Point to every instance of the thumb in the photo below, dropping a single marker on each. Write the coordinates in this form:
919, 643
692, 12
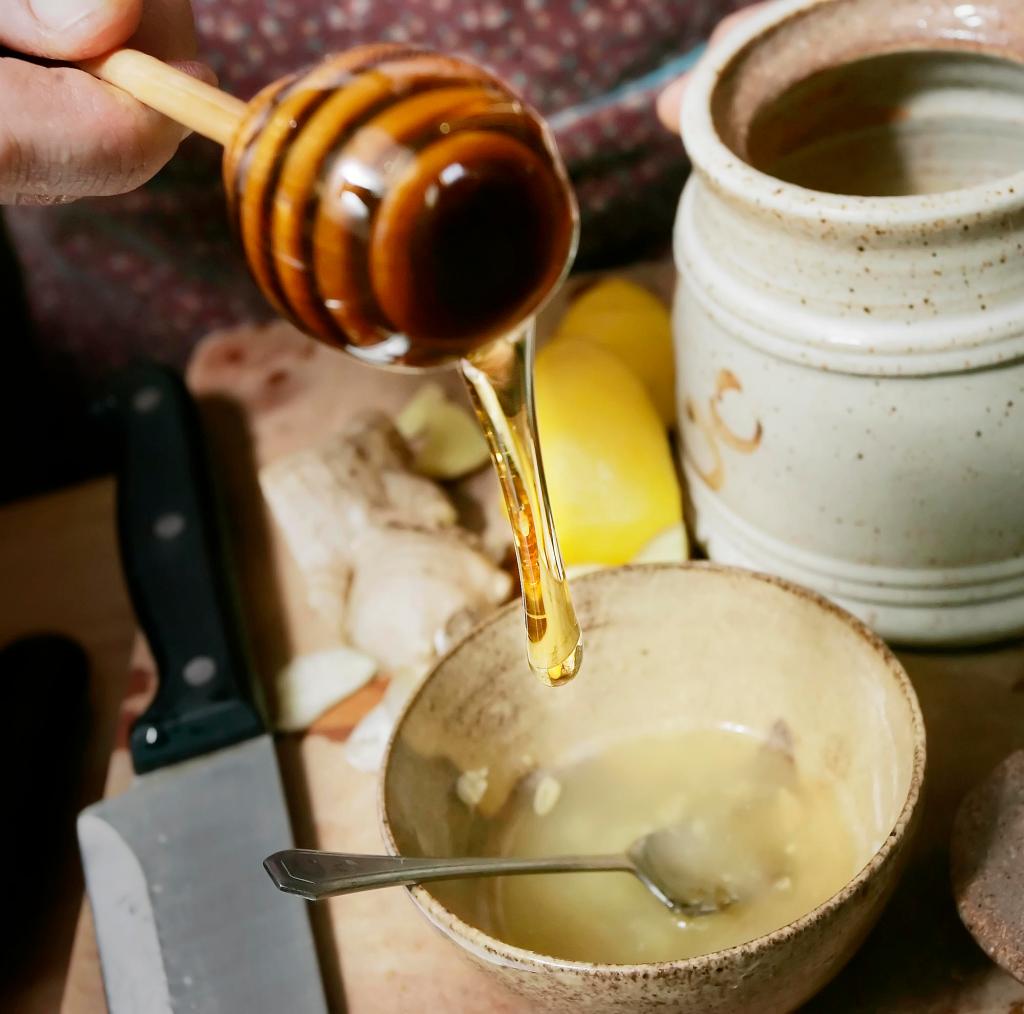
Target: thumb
67, 29
670, 103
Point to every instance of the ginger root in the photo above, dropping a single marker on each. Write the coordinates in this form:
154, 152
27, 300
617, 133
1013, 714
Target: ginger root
384, 561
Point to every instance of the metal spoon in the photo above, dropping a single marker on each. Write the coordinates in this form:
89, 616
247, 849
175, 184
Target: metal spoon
676, 864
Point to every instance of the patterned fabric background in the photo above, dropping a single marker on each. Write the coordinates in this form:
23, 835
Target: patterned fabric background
149, 273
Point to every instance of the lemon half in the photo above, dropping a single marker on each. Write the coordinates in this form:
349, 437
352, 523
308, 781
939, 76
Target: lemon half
607, 458
633, 324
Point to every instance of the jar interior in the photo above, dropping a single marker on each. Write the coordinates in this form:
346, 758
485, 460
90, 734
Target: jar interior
895, 125
880, 98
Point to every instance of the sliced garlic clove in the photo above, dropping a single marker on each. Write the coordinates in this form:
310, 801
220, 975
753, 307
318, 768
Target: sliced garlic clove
670, 546
545, 796
445, 439
471, 786
312, 684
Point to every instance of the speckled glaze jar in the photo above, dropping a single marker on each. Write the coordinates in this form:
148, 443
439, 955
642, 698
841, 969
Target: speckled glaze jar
850, 313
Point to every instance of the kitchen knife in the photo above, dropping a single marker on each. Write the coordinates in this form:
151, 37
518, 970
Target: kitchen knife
185, 918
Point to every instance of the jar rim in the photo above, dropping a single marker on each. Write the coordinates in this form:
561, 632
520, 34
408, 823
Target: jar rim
729, 172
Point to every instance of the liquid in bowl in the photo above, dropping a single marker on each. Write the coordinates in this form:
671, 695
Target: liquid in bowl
788, 844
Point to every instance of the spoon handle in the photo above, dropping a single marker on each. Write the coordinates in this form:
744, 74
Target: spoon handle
314, 875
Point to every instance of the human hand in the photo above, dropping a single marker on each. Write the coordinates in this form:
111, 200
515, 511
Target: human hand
64, 134
670, 101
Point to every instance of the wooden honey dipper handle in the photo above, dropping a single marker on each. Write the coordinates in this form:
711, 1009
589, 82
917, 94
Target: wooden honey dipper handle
186, 100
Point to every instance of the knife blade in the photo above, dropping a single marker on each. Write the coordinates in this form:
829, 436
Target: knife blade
185, 918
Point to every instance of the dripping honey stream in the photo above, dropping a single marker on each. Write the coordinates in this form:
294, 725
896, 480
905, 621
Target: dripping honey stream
500, 381
407, 208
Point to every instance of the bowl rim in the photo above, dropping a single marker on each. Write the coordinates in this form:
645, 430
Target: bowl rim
475, 940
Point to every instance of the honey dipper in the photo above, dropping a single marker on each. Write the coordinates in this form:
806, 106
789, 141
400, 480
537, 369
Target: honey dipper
407, 207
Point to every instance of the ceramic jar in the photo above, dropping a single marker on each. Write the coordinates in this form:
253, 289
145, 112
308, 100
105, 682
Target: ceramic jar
850, 312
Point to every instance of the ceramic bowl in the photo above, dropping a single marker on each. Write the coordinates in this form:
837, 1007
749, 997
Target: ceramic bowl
666, 647
850, 313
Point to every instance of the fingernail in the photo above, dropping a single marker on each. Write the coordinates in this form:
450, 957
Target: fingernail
60, 15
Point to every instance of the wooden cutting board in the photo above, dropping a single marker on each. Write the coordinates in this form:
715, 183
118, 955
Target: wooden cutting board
264, 394
267, 393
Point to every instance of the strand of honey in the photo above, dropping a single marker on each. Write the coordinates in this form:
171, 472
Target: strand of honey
500, 382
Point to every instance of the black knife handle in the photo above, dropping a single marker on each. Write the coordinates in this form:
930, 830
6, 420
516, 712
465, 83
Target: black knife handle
177, 572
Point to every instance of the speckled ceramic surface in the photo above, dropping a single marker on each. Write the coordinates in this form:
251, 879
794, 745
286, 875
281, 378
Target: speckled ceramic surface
850, 315
987, 864
668, 647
